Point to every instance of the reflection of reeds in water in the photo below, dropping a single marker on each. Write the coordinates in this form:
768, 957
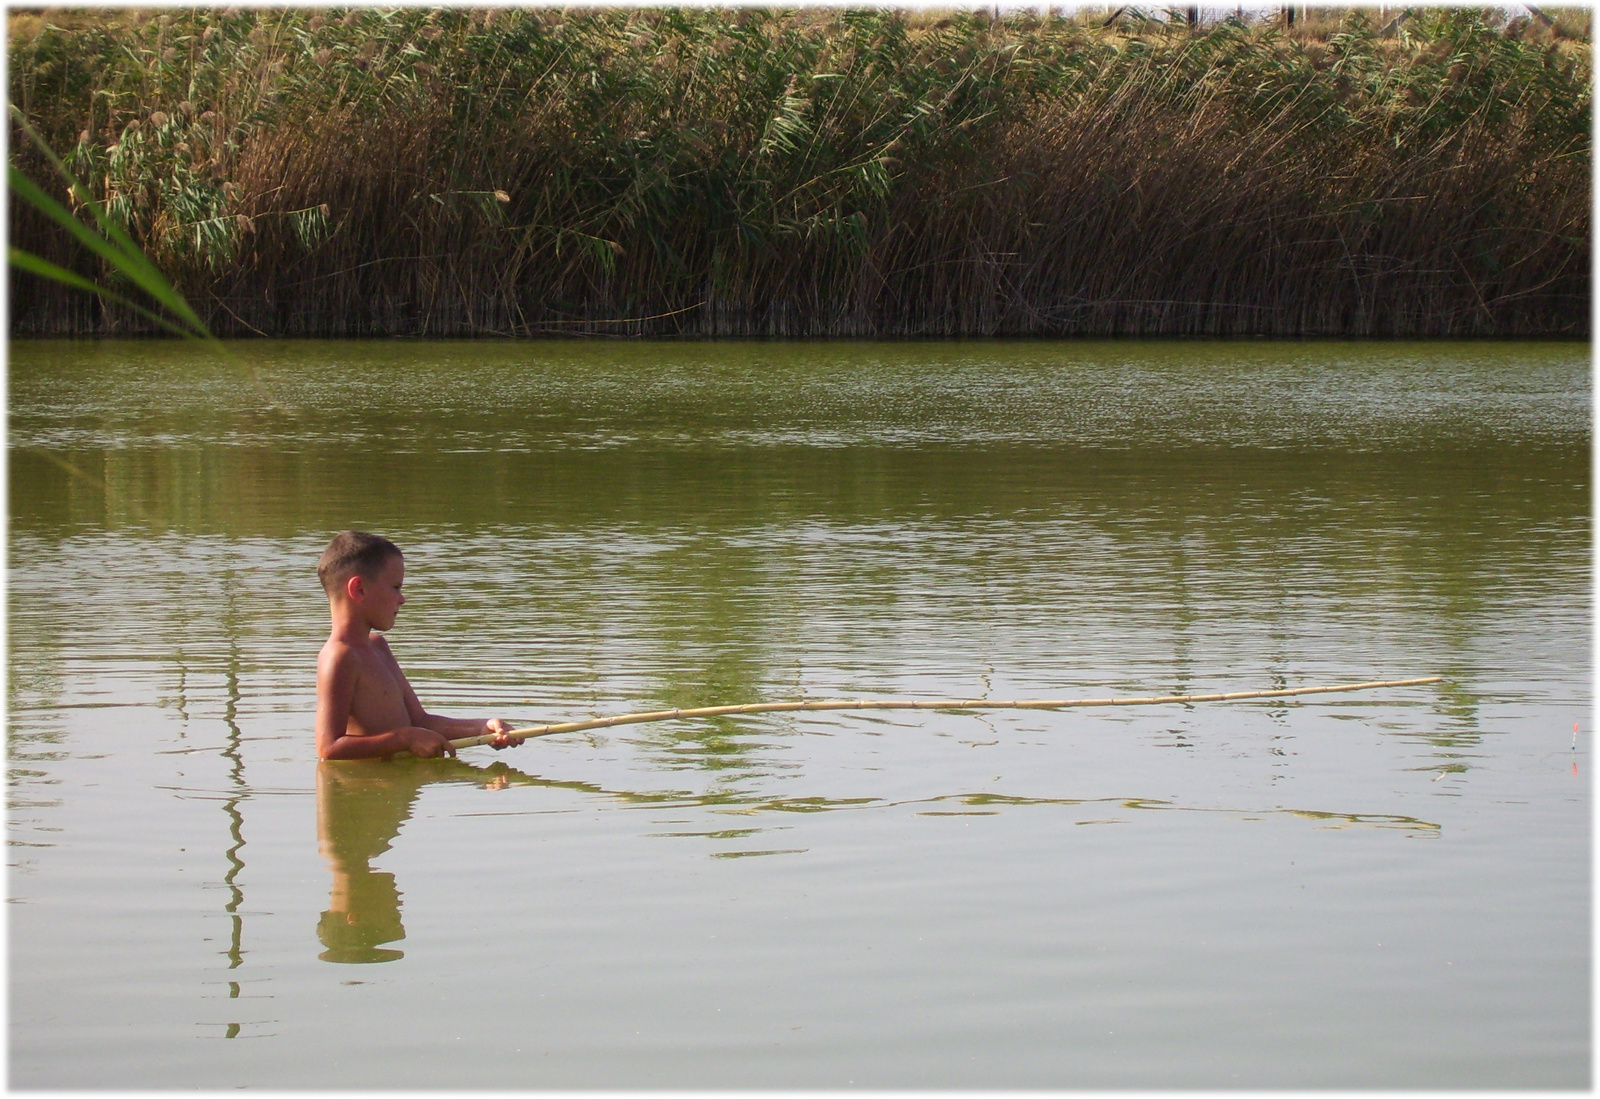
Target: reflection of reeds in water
823, 172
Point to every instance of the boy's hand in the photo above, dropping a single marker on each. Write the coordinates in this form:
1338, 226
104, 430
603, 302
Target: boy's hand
495, 725
426, 744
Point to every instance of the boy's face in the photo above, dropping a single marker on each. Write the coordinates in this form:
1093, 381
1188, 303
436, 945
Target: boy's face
381, 597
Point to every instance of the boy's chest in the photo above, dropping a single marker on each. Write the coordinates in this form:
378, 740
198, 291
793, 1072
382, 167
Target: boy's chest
378, 687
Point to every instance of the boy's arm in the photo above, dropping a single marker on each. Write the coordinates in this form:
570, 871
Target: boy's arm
336, 685
454, 728
457, 728
451, 728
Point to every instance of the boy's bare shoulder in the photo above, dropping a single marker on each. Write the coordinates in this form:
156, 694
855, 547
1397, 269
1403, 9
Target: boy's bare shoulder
337, 665
335, 649
339, 657
339, 654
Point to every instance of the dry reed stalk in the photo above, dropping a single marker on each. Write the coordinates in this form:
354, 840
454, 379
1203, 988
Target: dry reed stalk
924, 704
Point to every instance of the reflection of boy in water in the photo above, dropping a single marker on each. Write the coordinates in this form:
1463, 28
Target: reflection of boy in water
359, 811
365, 706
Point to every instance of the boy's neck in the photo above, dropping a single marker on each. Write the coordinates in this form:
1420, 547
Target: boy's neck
349, 625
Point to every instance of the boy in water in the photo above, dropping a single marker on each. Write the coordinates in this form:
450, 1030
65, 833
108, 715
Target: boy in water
365, 707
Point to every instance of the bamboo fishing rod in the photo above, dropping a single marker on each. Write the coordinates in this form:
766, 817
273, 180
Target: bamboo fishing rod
922, 704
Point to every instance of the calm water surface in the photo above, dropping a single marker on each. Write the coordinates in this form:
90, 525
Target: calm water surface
1379, 889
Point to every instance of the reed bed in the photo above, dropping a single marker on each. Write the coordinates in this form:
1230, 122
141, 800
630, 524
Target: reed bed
365, 172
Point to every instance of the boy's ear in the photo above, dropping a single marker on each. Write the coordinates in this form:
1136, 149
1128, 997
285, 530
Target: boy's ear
355, 587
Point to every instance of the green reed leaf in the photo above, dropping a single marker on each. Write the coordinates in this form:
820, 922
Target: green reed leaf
111, 244
42, 267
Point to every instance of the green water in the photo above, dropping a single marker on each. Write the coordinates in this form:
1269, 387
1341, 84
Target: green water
1388, 888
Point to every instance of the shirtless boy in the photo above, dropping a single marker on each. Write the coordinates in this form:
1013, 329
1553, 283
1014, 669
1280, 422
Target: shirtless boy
365, 707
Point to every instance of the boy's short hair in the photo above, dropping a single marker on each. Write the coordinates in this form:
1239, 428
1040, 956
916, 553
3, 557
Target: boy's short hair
353, 553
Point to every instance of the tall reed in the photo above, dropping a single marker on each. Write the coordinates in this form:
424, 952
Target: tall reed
807, 173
